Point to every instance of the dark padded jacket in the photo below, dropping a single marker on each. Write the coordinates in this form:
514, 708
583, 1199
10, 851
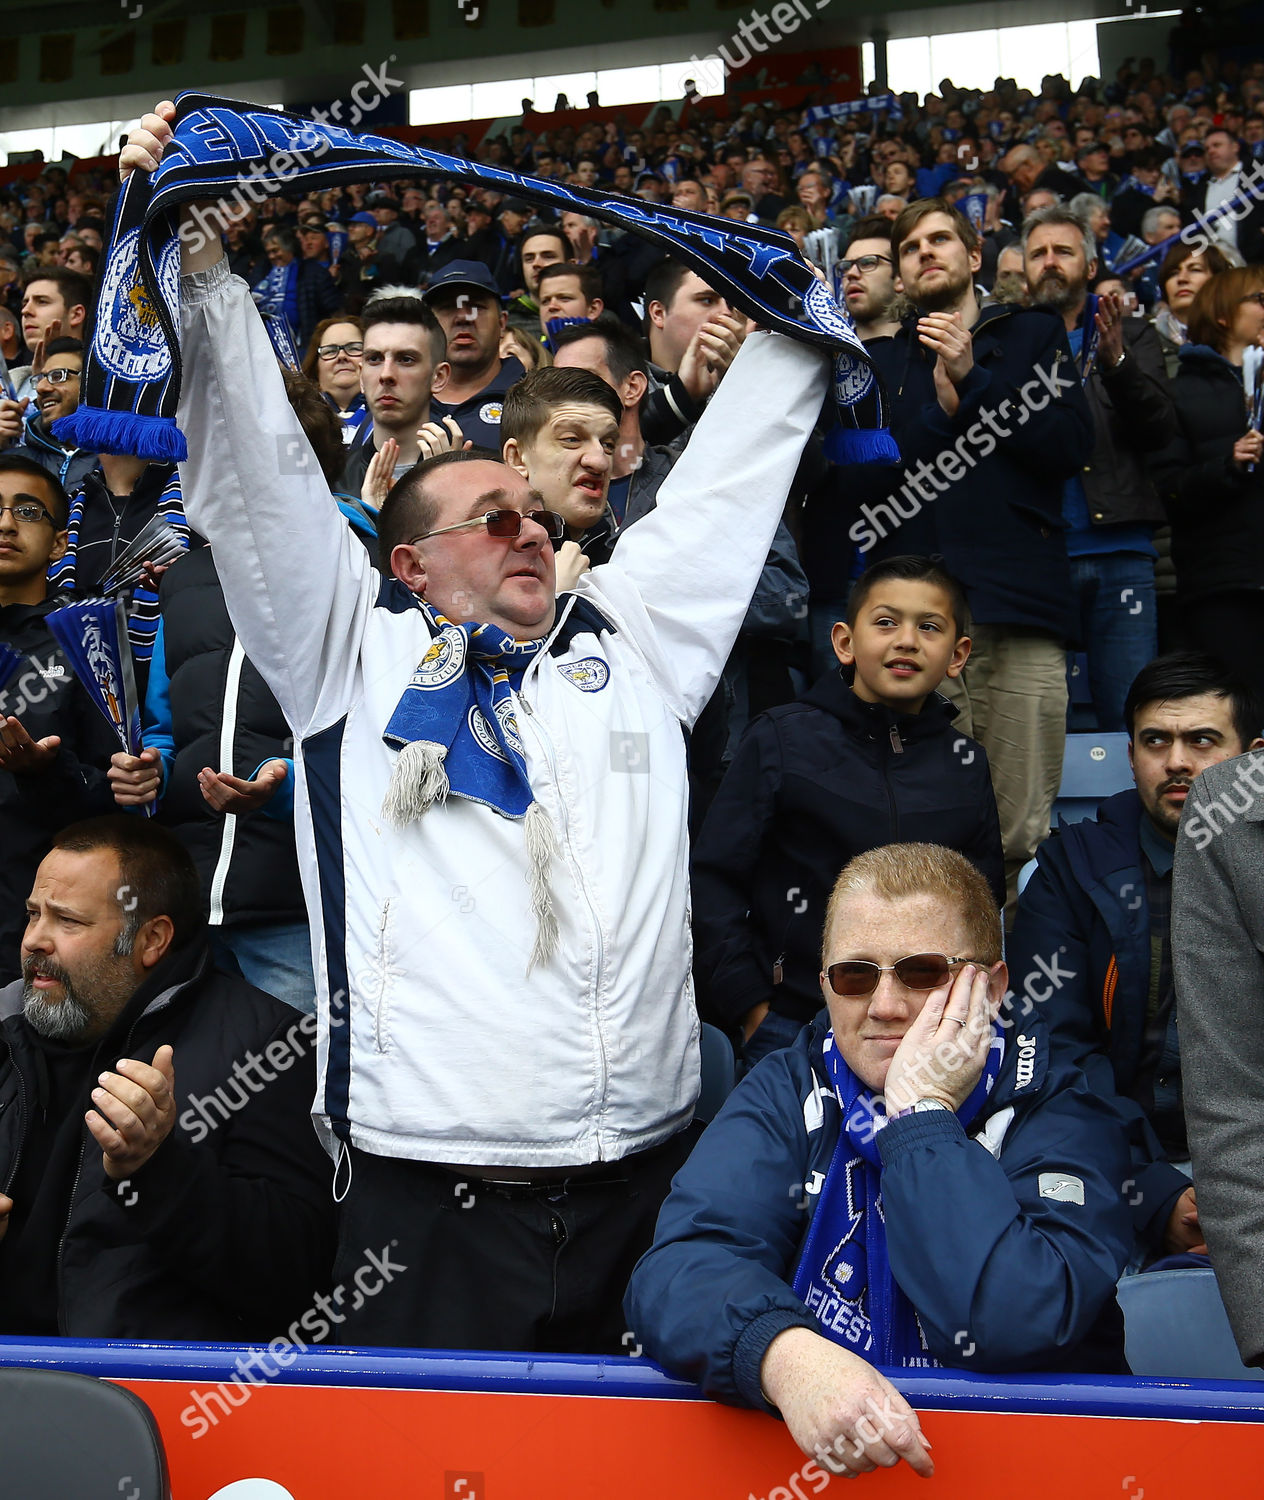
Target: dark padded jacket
813, 784
1132, 416
994, 508
1080, 951
227, 1232
1217, 510
45, 695
1009, 1258
220, 711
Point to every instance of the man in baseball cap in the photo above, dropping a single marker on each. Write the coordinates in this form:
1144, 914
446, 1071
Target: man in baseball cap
467, 302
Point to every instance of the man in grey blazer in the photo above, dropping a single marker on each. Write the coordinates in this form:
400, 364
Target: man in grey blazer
1218, 959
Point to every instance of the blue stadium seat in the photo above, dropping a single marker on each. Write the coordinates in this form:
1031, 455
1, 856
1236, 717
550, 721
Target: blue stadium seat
719, 1072
1094, 767
1176, 1328
64, 1436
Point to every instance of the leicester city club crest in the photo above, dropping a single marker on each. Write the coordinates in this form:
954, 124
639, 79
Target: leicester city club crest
508, 722
590, 674
483, 735
444, 660
130, 342
853, 378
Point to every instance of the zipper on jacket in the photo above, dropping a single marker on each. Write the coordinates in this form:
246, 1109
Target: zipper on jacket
897, 744
581, 882
886, 782
383, 965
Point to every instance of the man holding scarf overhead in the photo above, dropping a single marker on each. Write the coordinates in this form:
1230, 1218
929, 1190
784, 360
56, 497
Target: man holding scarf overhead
910, 1184
491, 813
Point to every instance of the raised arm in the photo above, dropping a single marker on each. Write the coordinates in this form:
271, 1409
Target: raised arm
692, 564
298, 591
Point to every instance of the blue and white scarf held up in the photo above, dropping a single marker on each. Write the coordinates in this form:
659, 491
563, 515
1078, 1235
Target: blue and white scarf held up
131, 382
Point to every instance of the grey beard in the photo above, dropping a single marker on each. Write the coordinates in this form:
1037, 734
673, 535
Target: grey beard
65, 1021
1056, 294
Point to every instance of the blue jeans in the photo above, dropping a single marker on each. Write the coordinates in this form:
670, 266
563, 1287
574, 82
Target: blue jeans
1115, 610
276, 959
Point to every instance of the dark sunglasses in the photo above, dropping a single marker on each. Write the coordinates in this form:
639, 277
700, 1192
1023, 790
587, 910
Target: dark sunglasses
855, 977
506, 523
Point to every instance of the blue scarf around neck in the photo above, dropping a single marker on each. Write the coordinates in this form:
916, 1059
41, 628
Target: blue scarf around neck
455, 732
844, 1270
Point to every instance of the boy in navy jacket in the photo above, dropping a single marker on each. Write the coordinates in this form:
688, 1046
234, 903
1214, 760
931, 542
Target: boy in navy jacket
813, 783
911, 1184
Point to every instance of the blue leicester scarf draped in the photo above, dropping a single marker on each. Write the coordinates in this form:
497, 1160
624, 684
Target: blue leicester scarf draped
225, 149
455, 731
844, 1271
276, 296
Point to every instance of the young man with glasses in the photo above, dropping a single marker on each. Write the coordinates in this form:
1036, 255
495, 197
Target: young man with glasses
922, 1183
56, 395
868, 272
492, 813
54, 745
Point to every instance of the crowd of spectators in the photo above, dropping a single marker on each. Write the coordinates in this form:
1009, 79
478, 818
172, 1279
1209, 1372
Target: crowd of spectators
486, 976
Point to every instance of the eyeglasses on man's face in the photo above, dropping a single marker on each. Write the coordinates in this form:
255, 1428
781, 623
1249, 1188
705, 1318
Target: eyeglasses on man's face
505, 523
30, 512
864, 263
857, 977
331, 351
60, 375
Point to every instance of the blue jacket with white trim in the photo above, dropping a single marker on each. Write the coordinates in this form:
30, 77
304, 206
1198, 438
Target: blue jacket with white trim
1007, 1240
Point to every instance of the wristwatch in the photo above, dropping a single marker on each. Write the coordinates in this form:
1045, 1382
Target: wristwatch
921, 1107
1110, 369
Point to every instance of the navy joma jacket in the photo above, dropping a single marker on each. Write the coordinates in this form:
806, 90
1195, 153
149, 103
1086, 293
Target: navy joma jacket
1008, 1240
1081, 949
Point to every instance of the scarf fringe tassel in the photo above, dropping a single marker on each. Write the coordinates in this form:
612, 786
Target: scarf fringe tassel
862, 445
418, 781
99, 431
541, 847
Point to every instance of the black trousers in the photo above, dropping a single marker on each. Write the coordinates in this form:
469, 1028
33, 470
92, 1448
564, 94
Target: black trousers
531, 1267
1230, 627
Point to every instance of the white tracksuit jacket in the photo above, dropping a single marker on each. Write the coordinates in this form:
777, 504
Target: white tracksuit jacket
446, 1049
